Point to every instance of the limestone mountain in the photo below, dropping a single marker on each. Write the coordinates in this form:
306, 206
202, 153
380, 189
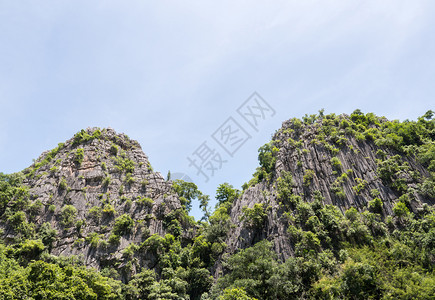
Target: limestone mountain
95, 196
340, 207
360, 161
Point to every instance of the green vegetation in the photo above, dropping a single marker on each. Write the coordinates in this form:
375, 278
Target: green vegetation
267, 159
124, 164
254, 217
63, 184
308, 177
377, 249
84, 137
123, 225
79, 156
68, 215
361, 184
145, 201
336, 163
187, 192
30, 172
106, 181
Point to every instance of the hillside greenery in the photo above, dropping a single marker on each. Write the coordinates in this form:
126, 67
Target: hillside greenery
355, 254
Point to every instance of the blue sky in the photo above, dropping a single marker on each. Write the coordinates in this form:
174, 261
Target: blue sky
170, 73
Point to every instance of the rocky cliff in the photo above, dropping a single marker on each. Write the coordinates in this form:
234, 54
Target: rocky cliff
341, 206
99, 198
356, 161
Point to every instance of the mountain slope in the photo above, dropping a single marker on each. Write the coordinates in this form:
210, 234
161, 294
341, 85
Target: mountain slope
340, 207
355, 161
97, 195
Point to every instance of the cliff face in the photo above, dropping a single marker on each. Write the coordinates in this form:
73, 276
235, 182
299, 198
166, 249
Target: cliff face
100, 194
335, 199
332, 159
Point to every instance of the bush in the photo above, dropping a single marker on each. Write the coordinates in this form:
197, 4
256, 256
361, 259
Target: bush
95, 212
52, 208
109, 210
62, 184
400, 209
68, 215
336, 163
285, 186
124, 164
308, 177
83, 137
123, 225
145, 201
254, 217
106, 181
235, 294
114, 239
93, 239
114, 149
79, 156
361, 184
47, 234
226, 193
376, 205
267, 157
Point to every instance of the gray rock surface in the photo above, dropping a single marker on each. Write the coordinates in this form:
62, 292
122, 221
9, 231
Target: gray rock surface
113, 178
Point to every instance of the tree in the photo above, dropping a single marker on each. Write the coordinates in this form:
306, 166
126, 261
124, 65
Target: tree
187, 191
235, 294
400, 209
251, 269
226, 193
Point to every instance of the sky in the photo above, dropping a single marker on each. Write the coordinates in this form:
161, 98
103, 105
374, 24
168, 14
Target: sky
174, 75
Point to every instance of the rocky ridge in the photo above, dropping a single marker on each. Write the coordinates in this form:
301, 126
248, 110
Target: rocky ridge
99, 193
327, 159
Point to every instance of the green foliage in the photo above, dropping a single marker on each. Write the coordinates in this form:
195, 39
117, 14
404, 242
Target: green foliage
114, 149
114, 239
47, 234
400, 209
141, 285
187, 192
124, 164
337, 186
108, 210
235, 294
336, 163
390, 171
251, 269
106, 181
226, 193
219, 223
82, 137
285, 185
95, 213
376, 205
267, 157
254, 217
12, 194
30, 172
79, 156
361, 184
355, 255
145, 201
68, 215
123, 225
94, 239
63, 184
308, 177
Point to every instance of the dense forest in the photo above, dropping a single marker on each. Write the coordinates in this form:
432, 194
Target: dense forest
340, 207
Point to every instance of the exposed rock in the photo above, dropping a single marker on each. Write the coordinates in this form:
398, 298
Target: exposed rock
103, 176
